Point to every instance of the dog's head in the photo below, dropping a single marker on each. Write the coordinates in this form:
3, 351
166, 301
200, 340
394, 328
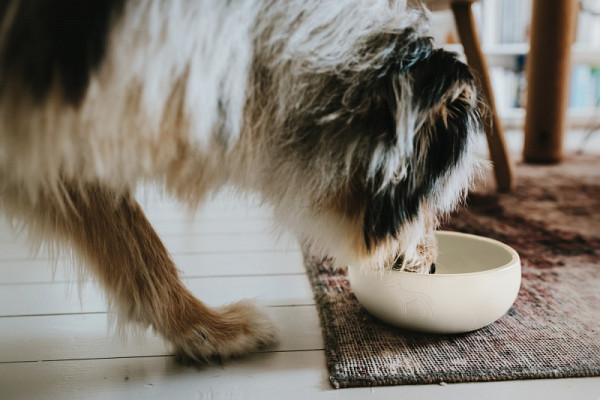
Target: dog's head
420, 168
377, 149
420, 165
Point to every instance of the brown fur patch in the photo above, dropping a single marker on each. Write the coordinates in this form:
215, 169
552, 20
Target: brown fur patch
112, 236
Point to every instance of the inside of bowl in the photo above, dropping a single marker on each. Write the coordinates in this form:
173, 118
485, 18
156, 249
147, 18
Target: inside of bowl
460, 254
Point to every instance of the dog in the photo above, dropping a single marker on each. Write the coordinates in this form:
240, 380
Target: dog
342, 115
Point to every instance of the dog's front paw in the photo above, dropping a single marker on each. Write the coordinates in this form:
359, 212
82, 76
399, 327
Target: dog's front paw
234, 330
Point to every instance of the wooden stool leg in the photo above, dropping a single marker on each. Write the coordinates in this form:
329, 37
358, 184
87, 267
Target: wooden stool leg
465, 24
548, 79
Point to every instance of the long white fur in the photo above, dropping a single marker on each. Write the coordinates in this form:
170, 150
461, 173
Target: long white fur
153, 45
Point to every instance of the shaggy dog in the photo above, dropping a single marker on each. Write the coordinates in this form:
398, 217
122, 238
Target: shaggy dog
340, 114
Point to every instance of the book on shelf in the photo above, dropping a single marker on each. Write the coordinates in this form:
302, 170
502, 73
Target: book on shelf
585, 86
504, 22
588, 24
510, 87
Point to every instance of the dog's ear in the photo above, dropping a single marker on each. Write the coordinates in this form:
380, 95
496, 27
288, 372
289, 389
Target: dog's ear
445, 89
434, 103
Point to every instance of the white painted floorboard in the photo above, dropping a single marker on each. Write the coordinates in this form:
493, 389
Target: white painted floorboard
56, 341
85, 336
55, 298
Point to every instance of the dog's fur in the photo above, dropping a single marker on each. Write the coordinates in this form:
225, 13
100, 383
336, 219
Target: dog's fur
341, 114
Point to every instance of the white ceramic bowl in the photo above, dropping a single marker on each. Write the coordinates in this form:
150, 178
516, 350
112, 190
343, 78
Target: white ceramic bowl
476, 281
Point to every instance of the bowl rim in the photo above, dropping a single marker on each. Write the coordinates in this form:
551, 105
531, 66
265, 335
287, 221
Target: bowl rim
514, 261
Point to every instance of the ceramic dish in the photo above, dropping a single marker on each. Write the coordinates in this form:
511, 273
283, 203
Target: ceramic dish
476, 282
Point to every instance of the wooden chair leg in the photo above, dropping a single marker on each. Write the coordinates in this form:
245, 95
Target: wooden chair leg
548, 79
465, 24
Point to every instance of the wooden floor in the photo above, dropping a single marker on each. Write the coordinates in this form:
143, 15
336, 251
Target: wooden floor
56, 341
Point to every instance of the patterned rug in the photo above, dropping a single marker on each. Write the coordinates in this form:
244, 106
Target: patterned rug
552, 219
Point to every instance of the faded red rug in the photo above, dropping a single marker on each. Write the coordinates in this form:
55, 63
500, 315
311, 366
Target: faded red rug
552, 219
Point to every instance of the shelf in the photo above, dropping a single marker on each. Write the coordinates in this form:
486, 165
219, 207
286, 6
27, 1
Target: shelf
577, 118
506, 61
504, 54
513, 49
582, 54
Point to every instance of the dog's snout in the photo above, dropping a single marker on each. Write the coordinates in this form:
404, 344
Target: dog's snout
400, 261
398, 264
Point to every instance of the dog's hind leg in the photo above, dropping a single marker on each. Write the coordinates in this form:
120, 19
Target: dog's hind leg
115, 240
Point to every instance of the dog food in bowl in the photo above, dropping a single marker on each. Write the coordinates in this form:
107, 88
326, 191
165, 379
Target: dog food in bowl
475, 283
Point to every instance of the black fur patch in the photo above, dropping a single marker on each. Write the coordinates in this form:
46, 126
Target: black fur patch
435, 75
55, 39
398, 203
364, 99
